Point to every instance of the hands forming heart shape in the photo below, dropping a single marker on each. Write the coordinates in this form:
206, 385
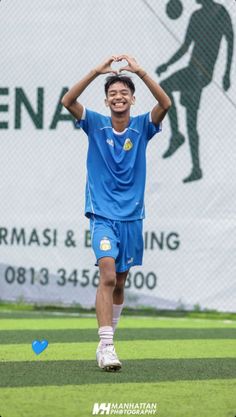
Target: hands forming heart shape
127, 62
118, 63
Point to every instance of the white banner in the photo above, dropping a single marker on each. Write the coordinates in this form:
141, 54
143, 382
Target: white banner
189, 232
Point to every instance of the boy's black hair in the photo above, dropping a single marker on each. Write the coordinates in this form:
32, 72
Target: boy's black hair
119, 78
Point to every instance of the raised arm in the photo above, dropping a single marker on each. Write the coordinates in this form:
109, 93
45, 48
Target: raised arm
159, 110
180, 52
69, 100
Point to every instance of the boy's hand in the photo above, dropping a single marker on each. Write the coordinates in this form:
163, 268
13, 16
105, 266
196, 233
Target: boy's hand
105, 67
132, 66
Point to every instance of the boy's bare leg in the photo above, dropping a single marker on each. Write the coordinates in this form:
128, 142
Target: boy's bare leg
118, 293
104, 297
118, 298
106, 354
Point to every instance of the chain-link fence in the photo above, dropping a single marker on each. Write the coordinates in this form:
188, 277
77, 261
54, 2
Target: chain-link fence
189, 230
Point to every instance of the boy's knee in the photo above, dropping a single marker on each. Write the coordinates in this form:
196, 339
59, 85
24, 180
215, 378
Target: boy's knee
108, 278
107, 272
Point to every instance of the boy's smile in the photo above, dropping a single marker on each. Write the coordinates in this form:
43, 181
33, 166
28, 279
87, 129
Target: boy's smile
119, 97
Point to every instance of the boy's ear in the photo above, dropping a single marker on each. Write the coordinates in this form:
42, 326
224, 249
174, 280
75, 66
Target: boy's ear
133, 100
106, 102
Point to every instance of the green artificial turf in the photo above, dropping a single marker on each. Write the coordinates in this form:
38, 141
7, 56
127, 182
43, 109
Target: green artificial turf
186, 366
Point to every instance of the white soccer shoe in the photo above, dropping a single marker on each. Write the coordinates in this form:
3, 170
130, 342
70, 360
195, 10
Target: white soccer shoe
107, 358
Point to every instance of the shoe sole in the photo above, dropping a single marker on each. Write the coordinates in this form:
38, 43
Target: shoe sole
112, 368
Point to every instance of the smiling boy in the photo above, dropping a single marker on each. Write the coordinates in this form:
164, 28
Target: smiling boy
116, 167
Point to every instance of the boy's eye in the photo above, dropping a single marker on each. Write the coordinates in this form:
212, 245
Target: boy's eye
123, 93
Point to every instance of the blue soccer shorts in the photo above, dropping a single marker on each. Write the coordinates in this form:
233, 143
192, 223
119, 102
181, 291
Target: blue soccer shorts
121, 240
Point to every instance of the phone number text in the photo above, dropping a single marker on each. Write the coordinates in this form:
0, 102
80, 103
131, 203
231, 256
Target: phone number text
31, 276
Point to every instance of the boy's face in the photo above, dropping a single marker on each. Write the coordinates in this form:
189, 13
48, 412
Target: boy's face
119, 98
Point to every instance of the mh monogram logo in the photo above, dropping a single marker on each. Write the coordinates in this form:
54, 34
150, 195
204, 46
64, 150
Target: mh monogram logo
102, 408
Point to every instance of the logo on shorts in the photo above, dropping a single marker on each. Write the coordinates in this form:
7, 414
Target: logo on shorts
105, 244
127, 145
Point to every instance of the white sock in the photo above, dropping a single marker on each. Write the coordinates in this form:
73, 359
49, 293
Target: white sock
117, 309
106, 335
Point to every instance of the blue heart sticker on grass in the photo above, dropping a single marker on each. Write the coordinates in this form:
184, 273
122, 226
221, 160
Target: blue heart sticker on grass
39, 347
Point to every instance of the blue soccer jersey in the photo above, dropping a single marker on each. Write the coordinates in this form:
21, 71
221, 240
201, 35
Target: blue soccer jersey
116, 165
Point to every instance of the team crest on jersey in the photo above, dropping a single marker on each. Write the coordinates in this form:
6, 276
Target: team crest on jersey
128, 145
105, 244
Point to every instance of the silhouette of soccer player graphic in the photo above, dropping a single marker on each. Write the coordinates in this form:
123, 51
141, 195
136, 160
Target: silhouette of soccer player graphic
207, 26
